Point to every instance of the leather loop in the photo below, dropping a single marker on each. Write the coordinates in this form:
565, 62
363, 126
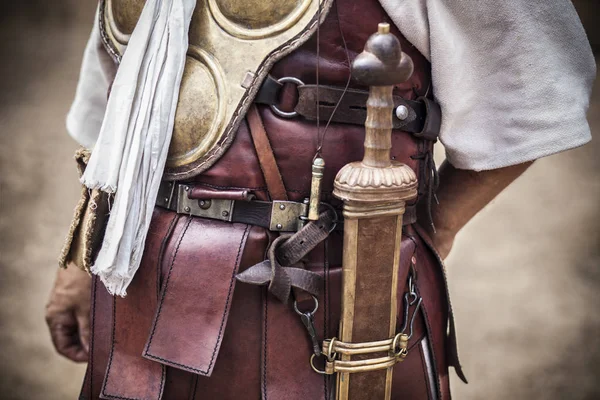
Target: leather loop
433, 120
268, 92
207, 193
266, 158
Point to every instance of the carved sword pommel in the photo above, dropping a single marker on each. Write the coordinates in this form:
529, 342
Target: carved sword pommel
382, 63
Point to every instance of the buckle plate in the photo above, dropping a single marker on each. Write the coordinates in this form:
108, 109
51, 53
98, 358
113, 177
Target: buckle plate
286, 216
214, 209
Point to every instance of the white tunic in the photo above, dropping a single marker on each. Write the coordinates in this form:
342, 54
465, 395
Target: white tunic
513, 77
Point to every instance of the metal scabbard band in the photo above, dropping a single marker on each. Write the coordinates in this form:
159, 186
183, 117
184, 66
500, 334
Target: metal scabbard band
396, 349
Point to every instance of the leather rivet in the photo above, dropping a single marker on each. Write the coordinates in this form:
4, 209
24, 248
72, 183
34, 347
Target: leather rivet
279, 226
225, 213
282, 206
187, 209
402, 113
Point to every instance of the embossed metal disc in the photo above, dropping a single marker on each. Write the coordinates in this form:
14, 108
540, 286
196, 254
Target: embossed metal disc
198, 125
257, 19
122, 17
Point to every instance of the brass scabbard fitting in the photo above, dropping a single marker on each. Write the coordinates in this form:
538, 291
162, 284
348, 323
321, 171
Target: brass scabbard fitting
396, 347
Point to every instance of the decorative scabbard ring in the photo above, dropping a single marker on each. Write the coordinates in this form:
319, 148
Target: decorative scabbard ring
374, 192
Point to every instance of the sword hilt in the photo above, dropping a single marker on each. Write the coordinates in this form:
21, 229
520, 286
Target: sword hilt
381, 65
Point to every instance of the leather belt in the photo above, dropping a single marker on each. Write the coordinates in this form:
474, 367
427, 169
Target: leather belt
240, 206
422, 118
230, 206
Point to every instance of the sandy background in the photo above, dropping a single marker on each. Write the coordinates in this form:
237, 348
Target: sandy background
524, 275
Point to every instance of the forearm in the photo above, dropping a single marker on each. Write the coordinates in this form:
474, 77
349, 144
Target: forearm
461, 195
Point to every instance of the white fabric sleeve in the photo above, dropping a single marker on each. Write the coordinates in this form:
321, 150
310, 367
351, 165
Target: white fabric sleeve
87, 111
513, 77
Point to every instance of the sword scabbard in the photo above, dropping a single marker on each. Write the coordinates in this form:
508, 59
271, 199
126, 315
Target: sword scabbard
374, 191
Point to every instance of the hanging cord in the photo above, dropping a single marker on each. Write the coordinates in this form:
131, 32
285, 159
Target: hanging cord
321, 138
317, 77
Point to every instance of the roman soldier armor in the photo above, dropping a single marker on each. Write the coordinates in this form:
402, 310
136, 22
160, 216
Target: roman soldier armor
241, 278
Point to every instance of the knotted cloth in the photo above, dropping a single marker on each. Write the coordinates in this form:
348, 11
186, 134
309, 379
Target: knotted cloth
129, 156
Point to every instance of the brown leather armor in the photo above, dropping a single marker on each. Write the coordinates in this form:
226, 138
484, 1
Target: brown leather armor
188, 330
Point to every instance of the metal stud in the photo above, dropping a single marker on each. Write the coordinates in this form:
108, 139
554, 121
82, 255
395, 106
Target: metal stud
282, 207
187, 209
402, 112
205, 204
225, 213
279, 226
187, 188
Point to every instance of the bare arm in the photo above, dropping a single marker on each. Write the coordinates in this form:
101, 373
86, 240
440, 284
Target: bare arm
462, 194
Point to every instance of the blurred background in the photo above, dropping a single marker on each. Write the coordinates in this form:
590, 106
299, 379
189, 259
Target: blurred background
524, 275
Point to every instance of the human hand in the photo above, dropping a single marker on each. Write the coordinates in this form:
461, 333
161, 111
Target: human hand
68, 313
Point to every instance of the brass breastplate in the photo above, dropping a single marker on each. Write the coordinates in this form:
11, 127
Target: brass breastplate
233, 45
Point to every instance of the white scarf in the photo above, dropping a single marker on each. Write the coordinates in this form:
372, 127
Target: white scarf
130, 154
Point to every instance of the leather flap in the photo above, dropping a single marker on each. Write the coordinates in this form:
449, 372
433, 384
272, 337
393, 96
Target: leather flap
196, 295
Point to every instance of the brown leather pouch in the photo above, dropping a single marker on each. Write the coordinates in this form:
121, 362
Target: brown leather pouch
86, 232
198, 273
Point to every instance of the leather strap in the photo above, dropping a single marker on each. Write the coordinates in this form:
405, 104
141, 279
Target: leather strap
266, 158
421, 118
352, 108
286, 251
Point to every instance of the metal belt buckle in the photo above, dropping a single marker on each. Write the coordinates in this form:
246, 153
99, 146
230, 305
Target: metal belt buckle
286, 216
213, 209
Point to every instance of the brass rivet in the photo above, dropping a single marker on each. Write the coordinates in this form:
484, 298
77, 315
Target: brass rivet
282, 206
279, 226
187, 209
225, 213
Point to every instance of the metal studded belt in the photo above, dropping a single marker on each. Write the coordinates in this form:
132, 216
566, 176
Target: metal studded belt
241, 206
232, 206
